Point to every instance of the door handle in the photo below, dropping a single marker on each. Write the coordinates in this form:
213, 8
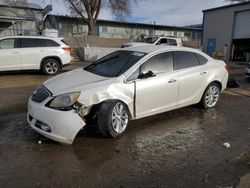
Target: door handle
42, 50
172, 81
14, 52
203, 72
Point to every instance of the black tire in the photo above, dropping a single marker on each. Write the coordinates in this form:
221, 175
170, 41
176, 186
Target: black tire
50, 66
104, 118
204, 102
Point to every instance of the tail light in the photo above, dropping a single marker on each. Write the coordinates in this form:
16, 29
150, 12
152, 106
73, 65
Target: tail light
67, 49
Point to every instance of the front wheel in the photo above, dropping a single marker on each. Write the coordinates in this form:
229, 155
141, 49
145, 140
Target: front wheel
112, 118
211, 96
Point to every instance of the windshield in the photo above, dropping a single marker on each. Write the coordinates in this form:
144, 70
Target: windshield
115, 64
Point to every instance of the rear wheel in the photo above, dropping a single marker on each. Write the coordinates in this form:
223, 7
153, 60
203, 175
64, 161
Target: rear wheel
112, 118
211, 96
50, 66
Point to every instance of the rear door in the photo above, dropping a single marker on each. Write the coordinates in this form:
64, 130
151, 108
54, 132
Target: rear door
30, 53
192, 77
9, 56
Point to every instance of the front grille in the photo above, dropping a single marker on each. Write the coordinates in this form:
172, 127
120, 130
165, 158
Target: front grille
40, 94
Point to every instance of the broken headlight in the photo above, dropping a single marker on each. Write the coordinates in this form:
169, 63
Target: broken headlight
64, 102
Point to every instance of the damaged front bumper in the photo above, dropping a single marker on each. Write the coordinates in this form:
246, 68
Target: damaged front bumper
61, 126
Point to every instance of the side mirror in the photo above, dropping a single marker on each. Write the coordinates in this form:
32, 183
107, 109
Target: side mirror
146, 75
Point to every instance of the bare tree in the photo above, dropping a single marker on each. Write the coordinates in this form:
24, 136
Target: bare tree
89, 10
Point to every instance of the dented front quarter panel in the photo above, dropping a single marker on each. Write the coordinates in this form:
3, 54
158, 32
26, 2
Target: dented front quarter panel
112, 89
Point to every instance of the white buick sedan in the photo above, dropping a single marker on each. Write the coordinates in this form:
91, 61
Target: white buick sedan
128, 84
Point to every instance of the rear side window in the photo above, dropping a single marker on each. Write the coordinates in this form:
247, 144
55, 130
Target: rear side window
159, 63
48, 43
172, 42
7, 44
34, 43
184, 60
201, 59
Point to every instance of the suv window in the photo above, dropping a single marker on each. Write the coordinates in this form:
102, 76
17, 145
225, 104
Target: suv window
29, 43
7, 44
201, 59
48, 43
34, 43
184, 60
158, 64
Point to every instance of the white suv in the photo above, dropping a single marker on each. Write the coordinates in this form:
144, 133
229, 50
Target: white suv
33, 53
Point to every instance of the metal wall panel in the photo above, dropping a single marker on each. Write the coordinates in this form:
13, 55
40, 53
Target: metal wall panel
242, 25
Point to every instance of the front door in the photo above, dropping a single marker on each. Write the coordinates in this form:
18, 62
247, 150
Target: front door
158, 91
9, 56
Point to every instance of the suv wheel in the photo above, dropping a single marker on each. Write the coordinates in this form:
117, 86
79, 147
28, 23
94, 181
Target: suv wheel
50, 66
112, 118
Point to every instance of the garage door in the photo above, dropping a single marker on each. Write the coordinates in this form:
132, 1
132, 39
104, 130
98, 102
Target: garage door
242, 26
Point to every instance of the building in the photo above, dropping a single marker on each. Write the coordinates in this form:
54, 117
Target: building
227, 29
68, 26
17, 17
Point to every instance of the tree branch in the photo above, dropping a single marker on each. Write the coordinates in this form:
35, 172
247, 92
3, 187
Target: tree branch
77, 10
98, 7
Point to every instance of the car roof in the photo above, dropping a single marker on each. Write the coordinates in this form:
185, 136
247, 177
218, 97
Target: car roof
156, 48
32, 37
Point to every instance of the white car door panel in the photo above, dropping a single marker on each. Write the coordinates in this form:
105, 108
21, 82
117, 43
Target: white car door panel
192, 85
9, 56
192, 77
157, 94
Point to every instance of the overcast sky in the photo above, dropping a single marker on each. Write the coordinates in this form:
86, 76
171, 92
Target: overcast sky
163, 12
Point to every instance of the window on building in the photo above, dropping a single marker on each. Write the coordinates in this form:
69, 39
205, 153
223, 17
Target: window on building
7, 44
104, 29
184, 60
187, 34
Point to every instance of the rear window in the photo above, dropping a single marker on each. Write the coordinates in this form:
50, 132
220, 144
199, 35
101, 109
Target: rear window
34, 43
64, 42
201, 59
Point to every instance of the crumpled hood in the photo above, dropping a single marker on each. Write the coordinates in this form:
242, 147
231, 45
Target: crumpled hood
71, 81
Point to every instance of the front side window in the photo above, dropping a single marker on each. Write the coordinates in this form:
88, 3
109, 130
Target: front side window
115, 64
158, 64
184, 60
7, 44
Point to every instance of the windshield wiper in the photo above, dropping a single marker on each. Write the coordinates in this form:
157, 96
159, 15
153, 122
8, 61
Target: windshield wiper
93, 65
